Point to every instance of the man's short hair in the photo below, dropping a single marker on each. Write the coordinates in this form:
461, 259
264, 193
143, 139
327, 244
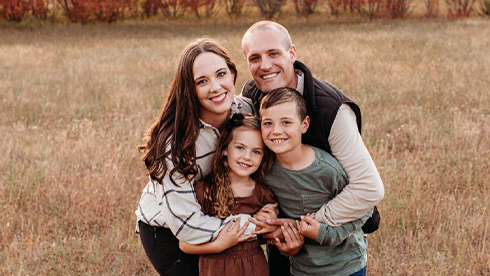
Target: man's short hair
285, 95
269, 25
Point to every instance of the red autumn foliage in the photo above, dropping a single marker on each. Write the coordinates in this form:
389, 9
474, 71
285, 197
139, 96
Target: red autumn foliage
431, 7
15, 10
397, 8
459, 8
269, 8
86, 11
305, 7
485, 7
346, 6
334, 6
354, 6
169, 8
374, 8
151, 7
40, 9
234, 8
207, 7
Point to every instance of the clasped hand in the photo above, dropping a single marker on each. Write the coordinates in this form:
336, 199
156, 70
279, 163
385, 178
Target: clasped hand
284, 233
228, 238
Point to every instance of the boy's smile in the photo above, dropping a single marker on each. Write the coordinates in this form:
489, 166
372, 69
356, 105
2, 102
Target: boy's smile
276, 141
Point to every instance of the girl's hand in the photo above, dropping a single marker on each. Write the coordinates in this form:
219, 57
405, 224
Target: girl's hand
268, 211
260, 220
228, 238
271, 206
309, 226
293, 239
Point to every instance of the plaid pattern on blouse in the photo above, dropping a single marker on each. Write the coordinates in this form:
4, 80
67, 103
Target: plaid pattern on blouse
176, 207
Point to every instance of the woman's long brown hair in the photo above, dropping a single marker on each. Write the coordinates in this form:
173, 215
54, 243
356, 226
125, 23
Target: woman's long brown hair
172, 137
218, 195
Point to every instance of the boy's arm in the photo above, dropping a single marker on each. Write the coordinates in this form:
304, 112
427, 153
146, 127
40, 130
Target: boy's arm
365, 187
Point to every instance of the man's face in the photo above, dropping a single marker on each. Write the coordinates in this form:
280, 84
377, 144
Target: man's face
270, 64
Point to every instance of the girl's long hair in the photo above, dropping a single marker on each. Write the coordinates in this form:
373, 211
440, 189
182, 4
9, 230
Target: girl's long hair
172, 137
218, 195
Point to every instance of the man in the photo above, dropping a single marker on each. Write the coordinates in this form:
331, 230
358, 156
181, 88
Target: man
335, 126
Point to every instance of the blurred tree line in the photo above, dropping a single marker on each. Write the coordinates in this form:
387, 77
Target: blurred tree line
89, 11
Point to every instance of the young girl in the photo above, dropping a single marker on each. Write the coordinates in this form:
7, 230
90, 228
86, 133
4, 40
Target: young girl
180, 149
240, 164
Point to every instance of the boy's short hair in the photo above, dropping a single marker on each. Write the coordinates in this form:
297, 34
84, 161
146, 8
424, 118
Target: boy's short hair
285, 95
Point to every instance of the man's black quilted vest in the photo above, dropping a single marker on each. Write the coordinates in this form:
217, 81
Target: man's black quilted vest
323, 101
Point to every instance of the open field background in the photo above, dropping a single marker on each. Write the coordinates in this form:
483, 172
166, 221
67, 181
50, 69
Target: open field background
75, 102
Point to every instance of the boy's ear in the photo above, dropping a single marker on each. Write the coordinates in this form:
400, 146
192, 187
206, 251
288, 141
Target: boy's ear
305, 124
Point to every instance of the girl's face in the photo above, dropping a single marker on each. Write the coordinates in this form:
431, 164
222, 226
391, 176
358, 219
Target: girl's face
244, 152
214, 86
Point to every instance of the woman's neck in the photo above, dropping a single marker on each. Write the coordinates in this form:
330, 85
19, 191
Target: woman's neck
216, 120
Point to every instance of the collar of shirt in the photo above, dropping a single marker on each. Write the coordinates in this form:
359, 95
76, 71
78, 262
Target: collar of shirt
236, 107
300, 86
203, 124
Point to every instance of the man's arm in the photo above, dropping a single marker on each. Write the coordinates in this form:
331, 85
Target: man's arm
331, 235
365, 187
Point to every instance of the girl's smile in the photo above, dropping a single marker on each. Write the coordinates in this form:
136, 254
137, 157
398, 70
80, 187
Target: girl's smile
244, 152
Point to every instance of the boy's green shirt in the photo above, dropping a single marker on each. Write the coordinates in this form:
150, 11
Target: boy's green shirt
338, 250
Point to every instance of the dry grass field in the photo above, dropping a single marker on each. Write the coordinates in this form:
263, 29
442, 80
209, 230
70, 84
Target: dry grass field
76, 101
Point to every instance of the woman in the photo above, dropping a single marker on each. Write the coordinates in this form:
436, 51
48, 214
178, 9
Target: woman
180, 149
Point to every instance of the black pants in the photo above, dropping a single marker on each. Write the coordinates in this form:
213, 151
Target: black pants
278, 263
162, 248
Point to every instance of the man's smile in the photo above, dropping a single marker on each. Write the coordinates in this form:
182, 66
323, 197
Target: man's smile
269, 76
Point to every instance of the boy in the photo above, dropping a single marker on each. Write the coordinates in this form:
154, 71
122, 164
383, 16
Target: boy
304, 178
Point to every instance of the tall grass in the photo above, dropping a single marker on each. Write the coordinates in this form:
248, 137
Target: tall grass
75, 102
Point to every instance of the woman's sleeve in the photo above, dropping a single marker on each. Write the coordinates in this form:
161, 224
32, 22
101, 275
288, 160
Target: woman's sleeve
176, 207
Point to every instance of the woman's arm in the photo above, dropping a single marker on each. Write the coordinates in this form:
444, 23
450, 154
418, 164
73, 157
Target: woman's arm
176, 207
226, 239
203, 248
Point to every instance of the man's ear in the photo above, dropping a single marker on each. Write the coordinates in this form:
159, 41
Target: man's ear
305, 124
292, 53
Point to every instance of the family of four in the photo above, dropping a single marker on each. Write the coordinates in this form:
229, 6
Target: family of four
282, 164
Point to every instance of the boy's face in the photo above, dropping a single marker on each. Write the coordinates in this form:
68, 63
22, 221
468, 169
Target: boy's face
282, 127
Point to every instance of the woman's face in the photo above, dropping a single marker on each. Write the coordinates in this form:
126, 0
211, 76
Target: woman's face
214, 87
